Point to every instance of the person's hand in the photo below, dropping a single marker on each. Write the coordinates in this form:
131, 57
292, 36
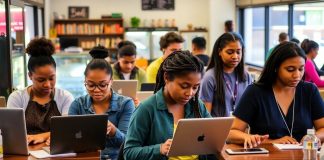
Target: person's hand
111, 129
136, 101
165, 147
254, 140
285, 140
37, 138
48, 141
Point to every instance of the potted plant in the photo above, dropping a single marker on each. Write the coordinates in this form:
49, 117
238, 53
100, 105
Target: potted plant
135, 21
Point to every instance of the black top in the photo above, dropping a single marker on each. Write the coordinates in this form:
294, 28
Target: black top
38, 117
259, 109
204, 58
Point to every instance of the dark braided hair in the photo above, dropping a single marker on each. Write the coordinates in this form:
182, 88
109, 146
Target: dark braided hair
176, 64
217, 63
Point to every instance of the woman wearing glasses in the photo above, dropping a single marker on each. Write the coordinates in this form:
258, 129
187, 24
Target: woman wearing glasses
101, 99
225, 79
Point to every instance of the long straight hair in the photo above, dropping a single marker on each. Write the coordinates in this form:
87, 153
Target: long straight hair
176, 64
217, 63
280, 53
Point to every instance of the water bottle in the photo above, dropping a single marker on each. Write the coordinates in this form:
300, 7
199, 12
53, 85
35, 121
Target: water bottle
310, 145
1, 144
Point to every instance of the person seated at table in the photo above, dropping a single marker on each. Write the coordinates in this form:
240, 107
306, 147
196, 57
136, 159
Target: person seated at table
101, 99
312, 72
176, 97
42, 99
280, 107
124, 68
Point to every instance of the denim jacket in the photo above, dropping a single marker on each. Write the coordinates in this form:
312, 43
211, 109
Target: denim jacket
120, 111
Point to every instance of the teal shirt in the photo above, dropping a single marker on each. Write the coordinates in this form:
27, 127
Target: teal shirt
151, 125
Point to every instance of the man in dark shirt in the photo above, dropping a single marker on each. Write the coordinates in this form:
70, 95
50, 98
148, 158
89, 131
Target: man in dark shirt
199, 48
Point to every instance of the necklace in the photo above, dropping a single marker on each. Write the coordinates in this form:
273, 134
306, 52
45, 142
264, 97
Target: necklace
283, 118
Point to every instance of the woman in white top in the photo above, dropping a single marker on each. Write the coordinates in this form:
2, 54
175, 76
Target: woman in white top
41, 100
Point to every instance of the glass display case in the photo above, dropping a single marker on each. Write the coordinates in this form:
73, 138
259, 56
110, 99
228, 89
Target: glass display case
69, 72
147, 40
19, 74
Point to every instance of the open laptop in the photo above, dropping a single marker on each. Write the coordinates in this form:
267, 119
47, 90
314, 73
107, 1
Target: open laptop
200, 136
142, 95
13, 129
125, 87
147, 86
79, 133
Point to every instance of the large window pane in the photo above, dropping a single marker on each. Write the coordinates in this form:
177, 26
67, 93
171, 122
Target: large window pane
309, 23
29, 27
254, 36
277, 25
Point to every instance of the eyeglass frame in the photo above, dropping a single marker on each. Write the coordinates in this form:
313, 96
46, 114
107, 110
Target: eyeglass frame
96, 86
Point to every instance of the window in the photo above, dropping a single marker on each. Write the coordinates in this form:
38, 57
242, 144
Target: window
277, 25
254, 36
308, 23
29, 21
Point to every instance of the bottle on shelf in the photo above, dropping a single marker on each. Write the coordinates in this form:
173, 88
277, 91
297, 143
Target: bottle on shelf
310, 145
1, 145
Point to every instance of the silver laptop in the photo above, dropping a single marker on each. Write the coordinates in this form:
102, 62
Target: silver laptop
200, 136
13, 129
79, 133
142, 95
125, 87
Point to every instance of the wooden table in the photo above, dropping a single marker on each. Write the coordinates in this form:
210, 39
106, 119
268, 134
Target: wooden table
274, 154
83, 156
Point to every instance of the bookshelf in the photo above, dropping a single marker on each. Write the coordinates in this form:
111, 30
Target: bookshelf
91, 32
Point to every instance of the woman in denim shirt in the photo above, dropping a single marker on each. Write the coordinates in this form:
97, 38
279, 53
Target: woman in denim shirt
176, 97
101, 99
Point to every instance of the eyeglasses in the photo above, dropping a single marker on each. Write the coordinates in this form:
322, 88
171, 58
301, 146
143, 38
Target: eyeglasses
92, 87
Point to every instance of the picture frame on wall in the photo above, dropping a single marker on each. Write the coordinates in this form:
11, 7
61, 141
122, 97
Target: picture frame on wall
78, 12
158, 5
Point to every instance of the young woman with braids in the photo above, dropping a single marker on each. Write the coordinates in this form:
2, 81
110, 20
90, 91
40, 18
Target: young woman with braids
225, 79
42, 99
176, 97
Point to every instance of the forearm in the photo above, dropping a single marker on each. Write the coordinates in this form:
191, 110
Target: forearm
236, 136
320, 134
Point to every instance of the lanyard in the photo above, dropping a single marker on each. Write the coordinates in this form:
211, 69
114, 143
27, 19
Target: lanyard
233, 94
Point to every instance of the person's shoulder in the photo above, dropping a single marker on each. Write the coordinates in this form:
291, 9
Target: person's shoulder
19, 93
62, 93
149, 104
306, 86
141, 71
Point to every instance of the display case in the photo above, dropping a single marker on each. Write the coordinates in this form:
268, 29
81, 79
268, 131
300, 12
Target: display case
147, 40
70, 72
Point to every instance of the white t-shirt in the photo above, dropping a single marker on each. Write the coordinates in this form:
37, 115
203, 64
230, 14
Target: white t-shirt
20, 99
126, 76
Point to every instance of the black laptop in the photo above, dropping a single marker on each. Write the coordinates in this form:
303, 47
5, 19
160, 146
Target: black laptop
80, 133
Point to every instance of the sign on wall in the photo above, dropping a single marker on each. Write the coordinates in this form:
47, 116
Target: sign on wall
78, 12
157, 4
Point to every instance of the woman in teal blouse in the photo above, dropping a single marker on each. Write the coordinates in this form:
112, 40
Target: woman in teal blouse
176, 97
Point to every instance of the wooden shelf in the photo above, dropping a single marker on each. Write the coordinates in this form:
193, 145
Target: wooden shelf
90, 35
88, 20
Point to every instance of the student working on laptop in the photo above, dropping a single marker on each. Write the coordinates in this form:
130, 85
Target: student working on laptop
176, 97
124, 68
101, 99
280, 107
225, 79
42, 99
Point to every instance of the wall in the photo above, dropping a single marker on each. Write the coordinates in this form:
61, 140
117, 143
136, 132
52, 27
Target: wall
208, 13
220, 11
